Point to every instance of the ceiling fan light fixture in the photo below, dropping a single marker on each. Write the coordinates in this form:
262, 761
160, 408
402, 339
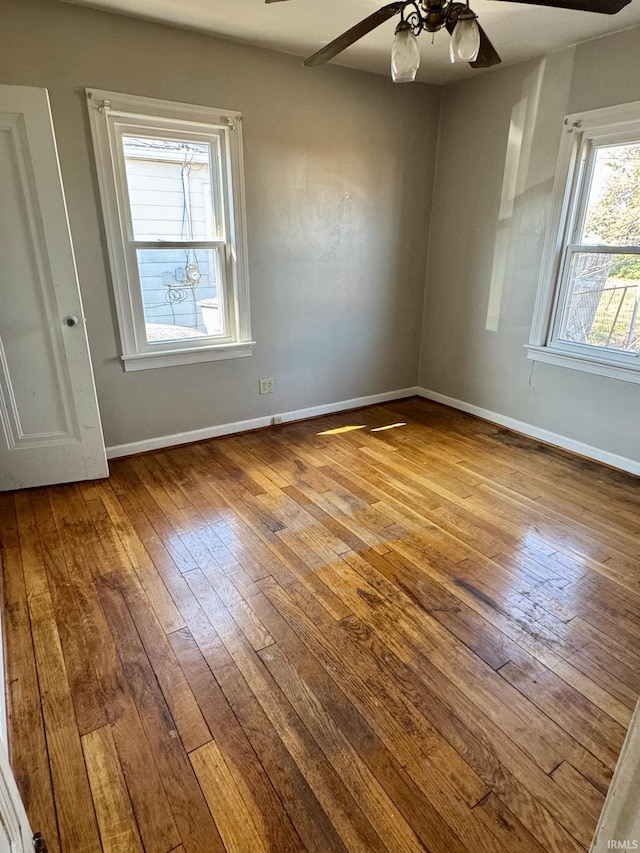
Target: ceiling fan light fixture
405, 54
465, 40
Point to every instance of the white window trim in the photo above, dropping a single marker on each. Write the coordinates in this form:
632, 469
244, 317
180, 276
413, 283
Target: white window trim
579, 130
104, 105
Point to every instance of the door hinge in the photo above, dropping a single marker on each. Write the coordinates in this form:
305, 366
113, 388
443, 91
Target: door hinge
39, 844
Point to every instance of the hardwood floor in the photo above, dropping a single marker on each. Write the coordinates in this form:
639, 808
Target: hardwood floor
399, 628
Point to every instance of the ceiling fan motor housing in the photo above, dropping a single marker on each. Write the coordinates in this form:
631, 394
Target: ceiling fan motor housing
433, 14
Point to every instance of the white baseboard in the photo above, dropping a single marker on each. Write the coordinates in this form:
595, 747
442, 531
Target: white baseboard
579, 447
563, 441
254, 423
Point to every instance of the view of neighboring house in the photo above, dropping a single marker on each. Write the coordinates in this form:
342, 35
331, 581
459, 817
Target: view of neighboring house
170, 190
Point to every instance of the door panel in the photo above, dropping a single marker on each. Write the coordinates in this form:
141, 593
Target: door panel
15, 832
50, 426
28, 418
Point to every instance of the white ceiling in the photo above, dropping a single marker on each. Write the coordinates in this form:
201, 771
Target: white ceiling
301, 27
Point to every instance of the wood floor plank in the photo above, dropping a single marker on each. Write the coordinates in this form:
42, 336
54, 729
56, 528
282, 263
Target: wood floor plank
505, 770
250, 779
118, 830
74, 806
306, 814
118, 534
232, 814
27, 746
343, 810
346, 814
153, 814
515, 717
190, 812
126, 483
486, 642
71, 583
555, 738
512, 628
580, 789
184, 709
246, 618
478, 749
360, 679
172, 504
399, 628
354, 769
251, 534
506, 825
601, 735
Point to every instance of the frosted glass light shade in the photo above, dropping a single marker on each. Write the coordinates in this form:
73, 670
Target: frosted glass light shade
465, 41
405, 56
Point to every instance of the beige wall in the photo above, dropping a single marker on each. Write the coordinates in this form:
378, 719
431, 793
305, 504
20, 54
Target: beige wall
490, 210
339, 169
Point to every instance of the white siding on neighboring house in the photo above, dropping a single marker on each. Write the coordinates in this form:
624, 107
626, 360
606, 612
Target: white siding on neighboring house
171, 200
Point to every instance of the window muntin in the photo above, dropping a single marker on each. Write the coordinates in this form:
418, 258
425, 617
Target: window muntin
171, 187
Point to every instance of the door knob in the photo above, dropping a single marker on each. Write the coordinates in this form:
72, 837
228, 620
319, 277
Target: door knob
71, 321
39, 844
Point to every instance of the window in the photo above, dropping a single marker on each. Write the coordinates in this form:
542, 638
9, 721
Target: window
587, 314
171, 184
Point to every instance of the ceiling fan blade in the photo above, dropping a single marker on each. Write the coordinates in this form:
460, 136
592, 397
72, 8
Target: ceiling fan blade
273, 1
604, 7
354, 34
487, 55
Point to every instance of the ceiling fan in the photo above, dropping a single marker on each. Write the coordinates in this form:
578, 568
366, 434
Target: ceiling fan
469, 42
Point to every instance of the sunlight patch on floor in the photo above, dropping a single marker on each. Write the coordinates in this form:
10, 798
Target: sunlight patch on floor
339, 430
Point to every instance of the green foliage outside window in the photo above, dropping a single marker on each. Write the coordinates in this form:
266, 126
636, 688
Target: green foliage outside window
614, 219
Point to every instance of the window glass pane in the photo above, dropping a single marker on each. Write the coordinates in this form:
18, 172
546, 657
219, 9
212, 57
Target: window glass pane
170, 189
613, 208
181, 294
603, 301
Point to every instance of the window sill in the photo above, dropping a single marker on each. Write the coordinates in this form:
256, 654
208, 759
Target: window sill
170, 358
578, 361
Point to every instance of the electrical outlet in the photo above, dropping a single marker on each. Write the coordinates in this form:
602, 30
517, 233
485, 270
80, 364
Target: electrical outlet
267, 386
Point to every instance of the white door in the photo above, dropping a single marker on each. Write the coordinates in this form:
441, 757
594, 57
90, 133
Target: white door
15, 833
50, 428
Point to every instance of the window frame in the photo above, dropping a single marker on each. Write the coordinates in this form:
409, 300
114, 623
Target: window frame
114, 115
582, 134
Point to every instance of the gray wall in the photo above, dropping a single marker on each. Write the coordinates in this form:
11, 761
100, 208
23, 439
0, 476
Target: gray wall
339, 185
339, 171
490, 210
